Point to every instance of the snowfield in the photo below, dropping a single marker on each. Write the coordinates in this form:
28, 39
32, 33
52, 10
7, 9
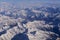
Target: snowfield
39, 23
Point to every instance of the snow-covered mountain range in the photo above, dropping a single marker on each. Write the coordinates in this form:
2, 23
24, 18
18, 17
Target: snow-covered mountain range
37, 23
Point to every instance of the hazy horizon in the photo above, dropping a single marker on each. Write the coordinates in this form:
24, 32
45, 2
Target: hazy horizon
29, 3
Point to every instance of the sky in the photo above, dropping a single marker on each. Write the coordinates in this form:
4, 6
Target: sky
30, 2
